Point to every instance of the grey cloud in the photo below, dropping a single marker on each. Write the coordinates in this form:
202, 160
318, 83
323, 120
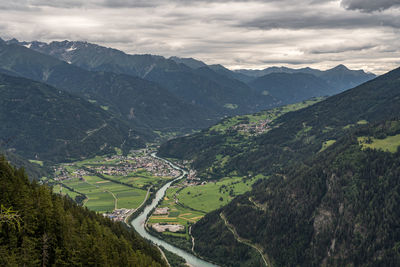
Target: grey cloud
316, 20
370, 5
289, 61
341, 48
241, 34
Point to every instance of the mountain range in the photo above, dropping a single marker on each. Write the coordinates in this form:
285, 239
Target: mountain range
212, 92
147, 95
212, 87
339, 77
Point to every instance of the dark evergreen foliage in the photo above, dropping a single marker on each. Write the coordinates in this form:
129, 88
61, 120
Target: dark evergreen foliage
338, 209
40, 122
49, 230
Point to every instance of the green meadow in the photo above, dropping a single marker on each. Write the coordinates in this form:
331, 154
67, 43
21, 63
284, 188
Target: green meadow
214, 195
64, 191
389, 144
327, 144
141, 178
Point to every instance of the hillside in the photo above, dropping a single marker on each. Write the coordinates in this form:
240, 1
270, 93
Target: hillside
294, 134
292, 87
213, 92
39, 228
35, 170
143, 104
335, 209
43, 123
329, 199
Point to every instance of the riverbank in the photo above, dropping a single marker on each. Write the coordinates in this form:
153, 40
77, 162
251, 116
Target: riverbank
139, 222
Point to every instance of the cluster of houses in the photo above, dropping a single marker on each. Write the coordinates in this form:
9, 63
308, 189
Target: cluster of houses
130, 164
63, 174
121, 166
254, 128
118, 215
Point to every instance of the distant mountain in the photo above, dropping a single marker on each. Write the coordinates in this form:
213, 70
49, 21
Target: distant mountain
342, 78
259, 73
190, 62
196, 64
292, 87
339, 78
231, 74
43, 123
144, 104
323, 183
217, 96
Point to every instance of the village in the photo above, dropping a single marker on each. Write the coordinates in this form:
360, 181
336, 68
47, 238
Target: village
119, 215
117, 165
254, 128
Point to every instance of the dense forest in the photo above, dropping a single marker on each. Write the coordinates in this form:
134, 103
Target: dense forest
44, 123
338, 208
39, 228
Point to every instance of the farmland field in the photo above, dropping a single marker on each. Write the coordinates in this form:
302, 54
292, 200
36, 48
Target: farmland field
106, 192
188, 204
64, 191
177, 213
214, 195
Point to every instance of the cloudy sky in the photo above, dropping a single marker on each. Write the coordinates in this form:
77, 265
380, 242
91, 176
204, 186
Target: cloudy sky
237, 33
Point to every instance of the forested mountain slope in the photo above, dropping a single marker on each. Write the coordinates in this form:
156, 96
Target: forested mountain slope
292, 87
143, 104
39, 228
41, 122
219, 94
337, 208
329, 200
291, 136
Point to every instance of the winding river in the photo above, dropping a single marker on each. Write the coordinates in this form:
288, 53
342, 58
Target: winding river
139, 223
